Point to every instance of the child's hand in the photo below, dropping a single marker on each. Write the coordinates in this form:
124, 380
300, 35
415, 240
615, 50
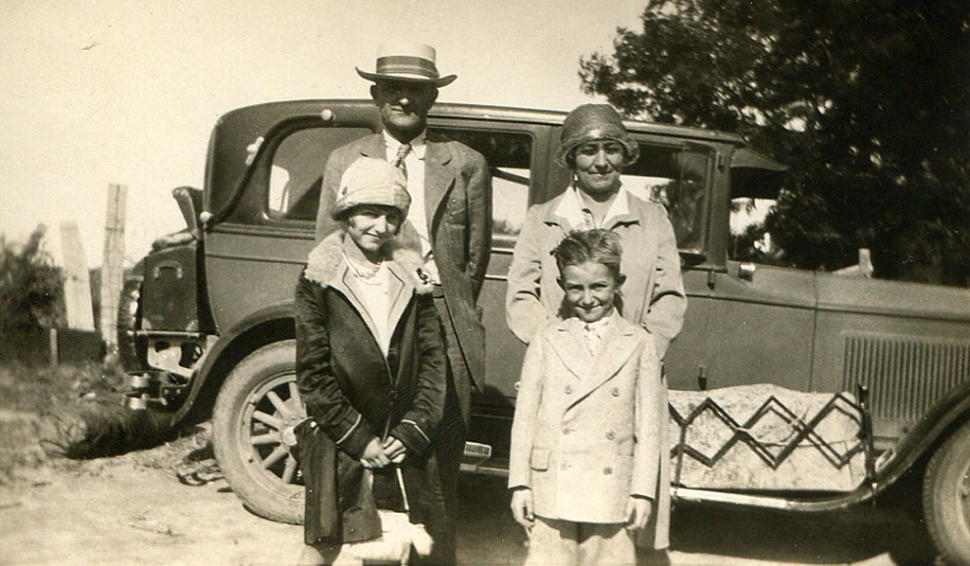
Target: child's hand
394, 449
374, 456
638, 510
522, 507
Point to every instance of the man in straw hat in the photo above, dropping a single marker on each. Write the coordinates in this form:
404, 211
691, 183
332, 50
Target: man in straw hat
449, 224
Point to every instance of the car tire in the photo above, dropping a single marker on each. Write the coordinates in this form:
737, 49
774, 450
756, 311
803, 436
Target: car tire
946, 497
252, 430
129, 314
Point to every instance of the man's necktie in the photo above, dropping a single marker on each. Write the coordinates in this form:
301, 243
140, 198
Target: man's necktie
402, 151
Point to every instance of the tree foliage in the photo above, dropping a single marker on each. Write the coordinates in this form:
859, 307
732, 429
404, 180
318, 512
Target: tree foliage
31, 287
867, 102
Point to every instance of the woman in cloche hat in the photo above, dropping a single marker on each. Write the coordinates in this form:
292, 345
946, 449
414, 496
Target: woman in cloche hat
371, 369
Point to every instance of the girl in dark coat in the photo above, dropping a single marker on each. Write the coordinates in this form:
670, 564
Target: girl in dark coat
371, 369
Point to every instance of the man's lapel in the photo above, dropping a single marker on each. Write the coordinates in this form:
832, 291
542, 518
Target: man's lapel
438, 178
374, 146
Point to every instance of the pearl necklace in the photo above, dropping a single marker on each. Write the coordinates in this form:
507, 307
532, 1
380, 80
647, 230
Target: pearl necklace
364, 273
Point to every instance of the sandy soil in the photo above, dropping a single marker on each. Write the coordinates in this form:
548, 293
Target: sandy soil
133, 509
169, 505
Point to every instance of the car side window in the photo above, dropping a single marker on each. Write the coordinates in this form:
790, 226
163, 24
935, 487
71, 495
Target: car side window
677, 177
296, 175
749, 240
509, 157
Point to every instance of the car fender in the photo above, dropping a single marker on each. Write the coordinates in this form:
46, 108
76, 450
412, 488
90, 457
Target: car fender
933, 428
270, 324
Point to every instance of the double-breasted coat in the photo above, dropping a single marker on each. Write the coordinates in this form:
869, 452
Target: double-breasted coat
589, 432
355, 394
458, 206
653, 293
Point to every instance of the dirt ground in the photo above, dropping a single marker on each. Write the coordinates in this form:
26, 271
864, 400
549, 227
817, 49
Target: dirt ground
167, 505
170, 505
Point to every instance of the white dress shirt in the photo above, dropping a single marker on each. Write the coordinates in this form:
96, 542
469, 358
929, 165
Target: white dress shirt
417, 213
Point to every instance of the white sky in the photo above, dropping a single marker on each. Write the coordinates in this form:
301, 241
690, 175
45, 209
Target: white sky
113, 91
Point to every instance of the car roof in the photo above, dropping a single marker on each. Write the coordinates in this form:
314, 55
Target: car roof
555, 118
240, 130
461, 111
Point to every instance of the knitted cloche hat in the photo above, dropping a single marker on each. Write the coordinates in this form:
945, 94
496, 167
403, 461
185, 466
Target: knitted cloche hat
372, 181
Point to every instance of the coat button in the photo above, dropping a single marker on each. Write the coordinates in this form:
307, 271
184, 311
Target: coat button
566, 430
607, 470
564, 466
615, 392
610, 435
569, 390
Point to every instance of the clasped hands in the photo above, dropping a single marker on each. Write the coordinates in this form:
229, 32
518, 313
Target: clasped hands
379, 454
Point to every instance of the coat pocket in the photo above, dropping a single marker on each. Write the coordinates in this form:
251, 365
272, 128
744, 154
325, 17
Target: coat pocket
540, 459
457, 208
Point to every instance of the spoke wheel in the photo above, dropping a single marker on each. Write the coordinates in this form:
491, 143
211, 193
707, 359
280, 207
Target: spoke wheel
252, 429
946, 497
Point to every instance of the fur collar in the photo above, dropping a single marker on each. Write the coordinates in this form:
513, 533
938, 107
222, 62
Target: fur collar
326, 260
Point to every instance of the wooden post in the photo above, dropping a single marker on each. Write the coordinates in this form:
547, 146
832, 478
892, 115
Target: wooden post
52, 338
112, 268
77, 285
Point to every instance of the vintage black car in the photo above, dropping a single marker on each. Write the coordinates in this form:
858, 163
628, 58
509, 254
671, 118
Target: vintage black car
211, 333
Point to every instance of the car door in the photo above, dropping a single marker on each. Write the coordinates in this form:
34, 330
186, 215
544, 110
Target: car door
745, 324
254, 255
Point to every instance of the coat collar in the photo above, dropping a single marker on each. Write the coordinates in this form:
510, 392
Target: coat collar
619, 343
327, 267
566, 210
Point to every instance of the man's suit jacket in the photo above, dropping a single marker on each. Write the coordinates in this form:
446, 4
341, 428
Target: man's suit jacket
458, 206
590, 432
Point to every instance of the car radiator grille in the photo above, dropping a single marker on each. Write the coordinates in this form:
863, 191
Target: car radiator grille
905, 376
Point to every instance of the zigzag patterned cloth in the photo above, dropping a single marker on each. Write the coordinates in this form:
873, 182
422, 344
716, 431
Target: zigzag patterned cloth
765, 437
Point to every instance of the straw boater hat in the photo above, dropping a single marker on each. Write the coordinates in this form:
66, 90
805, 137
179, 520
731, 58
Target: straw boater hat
407, 62
594, 122
372, 181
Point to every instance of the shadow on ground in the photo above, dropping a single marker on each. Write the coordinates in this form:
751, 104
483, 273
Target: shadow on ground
856, 535
714, 535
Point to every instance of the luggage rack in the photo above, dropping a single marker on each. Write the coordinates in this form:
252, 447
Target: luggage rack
774, 455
